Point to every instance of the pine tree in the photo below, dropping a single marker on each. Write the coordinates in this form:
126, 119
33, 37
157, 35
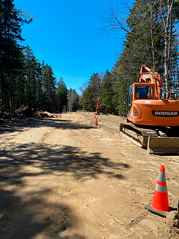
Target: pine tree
108, 92
49, 82
10, 52
61, 93
92, 92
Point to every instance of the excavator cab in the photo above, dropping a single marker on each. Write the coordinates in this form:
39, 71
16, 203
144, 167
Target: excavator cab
144, 92
140, 92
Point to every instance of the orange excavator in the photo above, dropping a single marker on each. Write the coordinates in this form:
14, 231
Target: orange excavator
152, 115
100, 107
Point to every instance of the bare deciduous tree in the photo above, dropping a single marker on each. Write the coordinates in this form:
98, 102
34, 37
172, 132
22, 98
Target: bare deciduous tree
114, 22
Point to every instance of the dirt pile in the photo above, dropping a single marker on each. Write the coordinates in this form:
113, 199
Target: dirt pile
25, 115
43, 114
34, 112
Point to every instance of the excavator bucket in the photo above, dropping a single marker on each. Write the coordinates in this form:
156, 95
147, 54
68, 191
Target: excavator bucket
163, 145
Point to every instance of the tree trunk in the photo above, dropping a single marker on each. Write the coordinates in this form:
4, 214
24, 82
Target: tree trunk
167, 39
152, 40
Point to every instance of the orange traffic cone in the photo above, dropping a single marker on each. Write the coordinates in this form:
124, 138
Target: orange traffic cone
96, 122
56, 116
88, 112
112, 113
60, 116
160, 204
123, 116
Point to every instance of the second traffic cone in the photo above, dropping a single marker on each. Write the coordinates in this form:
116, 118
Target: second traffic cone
123, 116
160, 204
60, 116
96, 122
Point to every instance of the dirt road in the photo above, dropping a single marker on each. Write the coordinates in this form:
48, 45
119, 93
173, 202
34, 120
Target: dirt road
66, 178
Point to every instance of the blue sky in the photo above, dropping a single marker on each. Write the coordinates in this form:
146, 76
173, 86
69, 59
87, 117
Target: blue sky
65, 34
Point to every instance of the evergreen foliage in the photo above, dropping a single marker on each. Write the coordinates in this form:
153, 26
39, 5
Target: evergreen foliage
92, 92
62, 95
24, 81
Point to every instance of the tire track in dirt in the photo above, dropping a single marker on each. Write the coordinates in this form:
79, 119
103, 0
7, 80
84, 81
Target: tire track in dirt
11, 198
9, 192
15, 180
75, 222
72, 227
94, 215
67, 218
34, 202
7, 141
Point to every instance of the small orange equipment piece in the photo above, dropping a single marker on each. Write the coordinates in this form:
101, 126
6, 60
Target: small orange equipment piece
160, 204
56, 116
100, 107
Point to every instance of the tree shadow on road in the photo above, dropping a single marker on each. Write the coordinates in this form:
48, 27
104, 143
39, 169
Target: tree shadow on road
26, 181
37, 123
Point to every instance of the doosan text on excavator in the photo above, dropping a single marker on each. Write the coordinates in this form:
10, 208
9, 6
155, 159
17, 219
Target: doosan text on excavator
152, 115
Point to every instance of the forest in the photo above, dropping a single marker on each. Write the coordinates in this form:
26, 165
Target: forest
151, 40
24, 81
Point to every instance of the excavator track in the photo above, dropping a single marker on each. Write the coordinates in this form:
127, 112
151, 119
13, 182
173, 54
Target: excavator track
138, 136
149, 138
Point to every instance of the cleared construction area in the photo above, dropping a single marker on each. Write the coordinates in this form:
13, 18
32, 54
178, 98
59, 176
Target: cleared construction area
68, 178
